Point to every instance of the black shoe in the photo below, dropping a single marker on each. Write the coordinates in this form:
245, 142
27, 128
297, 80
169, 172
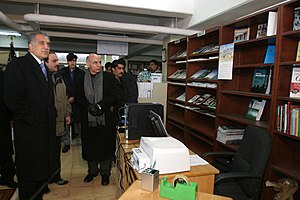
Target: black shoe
105, 180
46, 190
11, 184
89, 178
65, 149
61, 182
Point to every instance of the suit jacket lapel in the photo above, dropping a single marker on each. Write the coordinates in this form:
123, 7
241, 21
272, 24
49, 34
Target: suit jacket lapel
37, 69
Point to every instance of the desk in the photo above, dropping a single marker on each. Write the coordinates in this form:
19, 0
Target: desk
134, 192
204, 175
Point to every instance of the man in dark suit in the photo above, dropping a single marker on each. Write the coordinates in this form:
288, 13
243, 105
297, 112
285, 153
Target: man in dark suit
7, 166
28, 94
96, 97
71, 75
129, 83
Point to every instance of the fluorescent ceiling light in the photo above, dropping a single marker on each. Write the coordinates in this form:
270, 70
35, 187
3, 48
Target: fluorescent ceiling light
100, 25
10, 33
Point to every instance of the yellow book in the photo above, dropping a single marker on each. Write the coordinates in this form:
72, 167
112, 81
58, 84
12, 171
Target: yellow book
298, 52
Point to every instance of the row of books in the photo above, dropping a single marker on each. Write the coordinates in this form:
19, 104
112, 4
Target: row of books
201, 111
203, 84
287, 120
263, 29
181, 97
179, 74
208, 74
295, 83
204, 99
179, 54
206, 49
230, 134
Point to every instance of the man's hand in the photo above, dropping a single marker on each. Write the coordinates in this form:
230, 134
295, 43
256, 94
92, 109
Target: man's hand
95, 109
68, 120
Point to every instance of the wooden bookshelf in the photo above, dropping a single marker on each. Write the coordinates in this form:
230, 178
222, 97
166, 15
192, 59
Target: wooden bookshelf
197, 128
198, 131
285, 161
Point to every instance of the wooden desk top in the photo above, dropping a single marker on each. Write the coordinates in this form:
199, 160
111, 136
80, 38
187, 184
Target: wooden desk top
195, 171
135, 192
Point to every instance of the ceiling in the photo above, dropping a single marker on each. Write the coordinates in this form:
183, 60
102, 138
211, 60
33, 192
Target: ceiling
76, 25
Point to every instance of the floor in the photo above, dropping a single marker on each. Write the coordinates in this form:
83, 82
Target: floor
74, 169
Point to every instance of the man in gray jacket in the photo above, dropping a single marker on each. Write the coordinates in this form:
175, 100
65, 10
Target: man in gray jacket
63, 108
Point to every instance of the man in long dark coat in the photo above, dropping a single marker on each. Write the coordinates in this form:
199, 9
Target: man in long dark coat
29, 95
7, 166
96, 98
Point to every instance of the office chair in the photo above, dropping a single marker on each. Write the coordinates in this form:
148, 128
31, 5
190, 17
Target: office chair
246, 171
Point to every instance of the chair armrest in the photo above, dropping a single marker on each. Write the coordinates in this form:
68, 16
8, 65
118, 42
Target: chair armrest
218, 153
223, 176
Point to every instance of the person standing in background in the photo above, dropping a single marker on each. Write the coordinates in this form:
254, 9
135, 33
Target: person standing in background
130, 85
96, 96
71, 75
153, 66
63, 109
7, 166
28, 94
108, 67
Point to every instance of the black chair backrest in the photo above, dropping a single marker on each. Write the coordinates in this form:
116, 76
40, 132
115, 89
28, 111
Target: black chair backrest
252, 156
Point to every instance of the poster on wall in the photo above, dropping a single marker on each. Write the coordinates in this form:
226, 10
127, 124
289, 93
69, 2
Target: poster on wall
226, 61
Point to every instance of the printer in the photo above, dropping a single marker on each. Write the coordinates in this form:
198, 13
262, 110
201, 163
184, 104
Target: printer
166, 154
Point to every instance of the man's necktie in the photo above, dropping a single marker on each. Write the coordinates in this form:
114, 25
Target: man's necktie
44, 70
72, 75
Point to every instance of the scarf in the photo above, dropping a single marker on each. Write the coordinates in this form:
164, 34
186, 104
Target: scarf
93, 89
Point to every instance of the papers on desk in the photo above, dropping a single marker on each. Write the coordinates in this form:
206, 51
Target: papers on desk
197, 160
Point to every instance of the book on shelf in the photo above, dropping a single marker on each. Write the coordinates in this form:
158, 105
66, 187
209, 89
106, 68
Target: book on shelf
199, 50
181, 97
295, 83
199, 99
194, 98
202, 99
213, 75
298, 52
296, 21
210, 100
261, 81
270, 54
255, 109
241, 34
198, 73
182, 54
179, 74
178, 53
213, 104
272, 23
211, 48
229, 137
206, 49
230, 129
261, 30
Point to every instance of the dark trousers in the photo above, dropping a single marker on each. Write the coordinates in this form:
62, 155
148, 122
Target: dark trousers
28, 188
7, 170
105, 167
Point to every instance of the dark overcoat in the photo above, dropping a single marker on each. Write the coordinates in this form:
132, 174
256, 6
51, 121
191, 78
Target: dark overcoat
30, 98
71, 87
6, 146
98, 142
